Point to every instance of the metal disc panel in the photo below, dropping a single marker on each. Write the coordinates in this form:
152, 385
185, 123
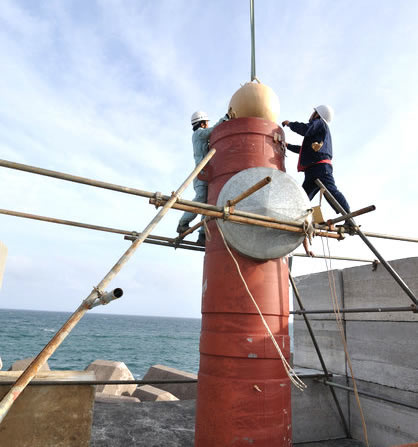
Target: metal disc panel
282, 199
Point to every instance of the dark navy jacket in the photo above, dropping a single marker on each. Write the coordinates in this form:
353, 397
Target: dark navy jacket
316, 131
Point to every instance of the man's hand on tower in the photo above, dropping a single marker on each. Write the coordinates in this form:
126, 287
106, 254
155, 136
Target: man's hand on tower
231, 113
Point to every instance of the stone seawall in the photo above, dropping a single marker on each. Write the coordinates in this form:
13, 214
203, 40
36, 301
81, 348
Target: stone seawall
382, 346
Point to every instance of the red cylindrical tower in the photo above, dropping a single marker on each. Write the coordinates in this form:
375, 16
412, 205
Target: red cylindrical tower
243, 390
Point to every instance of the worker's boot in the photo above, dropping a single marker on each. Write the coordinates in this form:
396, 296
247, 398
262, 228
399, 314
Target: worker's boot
350, 227
181, 228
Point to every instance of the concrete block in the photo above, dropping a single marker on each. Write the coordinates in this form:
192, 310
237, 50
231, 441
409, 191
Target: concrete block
104, 397
314, 414
153, 394
21, 365
384, 352
387, 424
109, 370
49, 416
3, 256
315, 293
364, 287
329, 340
182, 391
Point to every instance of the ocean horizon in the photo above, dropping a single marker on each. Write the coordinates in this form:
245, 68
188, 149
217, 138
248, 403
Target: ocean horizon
139, 341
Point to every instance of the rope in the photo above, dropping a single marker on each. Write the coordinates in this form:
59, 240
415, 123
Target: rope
205, 226
289, 370
333, 290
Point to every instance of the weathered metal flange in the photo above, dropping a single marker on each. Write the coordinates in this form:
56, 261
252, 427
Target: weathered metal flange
282, 199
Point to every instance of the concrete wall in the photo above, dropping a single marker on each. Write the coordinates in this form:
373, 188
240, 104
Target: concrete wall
314, 414
315, 294
383, 346
46, 416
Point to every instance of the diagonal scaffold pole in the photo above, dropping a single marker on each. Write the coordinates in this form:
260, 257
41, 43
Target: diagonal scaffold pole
59, 337
385, 264
319, 354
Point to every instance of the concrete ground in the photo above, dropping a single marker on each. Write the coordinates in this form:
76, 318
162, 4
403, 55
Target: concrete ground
147, 424
333, 443
157, 424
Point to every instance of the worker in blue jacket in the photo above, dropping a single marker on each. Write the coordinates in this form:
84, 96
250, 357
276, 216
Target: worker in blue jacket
315, 154
200, 140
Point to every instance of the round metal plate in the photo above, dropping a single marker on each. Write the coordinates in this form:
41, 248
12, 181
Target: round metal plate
282, 199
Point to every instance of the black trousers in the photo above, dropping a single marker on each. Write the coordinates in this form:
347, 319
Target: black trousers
323, 172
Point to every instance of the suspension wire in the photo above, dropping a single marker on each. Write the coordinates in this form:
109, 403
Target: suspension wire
338, 317
253, 75
291, 373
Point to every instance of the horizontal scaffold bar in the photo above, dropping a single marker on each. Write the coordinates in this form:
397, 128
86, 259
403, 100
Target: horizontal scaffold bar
101, 382
151, 239
368, 394
126, 189
411, 308
130, 235
154, 196
337, 258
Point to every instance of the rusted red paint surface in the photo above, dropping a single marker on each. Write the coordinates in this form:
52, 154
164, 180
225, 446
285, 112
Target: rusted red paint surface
243, 390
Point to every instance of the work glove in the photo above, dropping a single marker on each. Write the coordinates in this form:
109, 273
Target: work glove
231, 113
317, 146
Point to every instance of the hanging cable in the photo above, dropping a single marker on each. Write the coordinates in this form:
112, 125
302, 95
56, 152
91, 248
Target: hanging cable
334, 298
289, 370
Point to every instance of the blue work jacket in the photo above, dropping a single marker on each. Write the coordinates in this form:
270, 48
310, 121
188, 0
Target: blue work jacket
316, 131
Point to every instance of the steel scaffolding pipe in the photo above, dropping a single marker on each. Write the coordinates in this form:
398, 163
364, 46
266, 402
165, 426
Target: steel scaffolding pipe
235, 217
359, 212
411, 308
151, 239
100, 382
391, 237
249, 191
368, 394
127, 190
319, 354
152, 195
129, 235
60, 336
337, 258
385, 264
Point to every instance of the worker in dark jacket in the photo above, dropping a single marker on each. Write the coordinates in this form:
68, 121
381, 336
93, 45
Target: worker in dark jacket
315, 154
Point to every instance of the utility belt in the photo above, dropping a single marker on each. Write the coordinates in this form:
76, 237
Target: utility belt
304, 168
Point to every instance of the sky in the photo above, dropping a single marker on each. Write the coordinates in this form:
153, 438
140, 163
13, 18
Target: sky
105, 90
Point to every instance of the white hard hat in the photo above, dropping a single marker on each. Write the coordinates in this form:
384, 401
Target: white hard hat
325, 112
199, 116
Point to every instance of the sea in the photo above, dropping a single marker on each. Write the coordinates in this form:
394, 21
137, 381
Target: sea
138, 341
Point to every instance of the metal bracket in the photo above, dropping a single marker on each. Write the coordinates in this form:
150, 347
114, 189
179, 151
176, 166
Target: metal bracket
227, 212
157, 200
106, 297
277, 138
